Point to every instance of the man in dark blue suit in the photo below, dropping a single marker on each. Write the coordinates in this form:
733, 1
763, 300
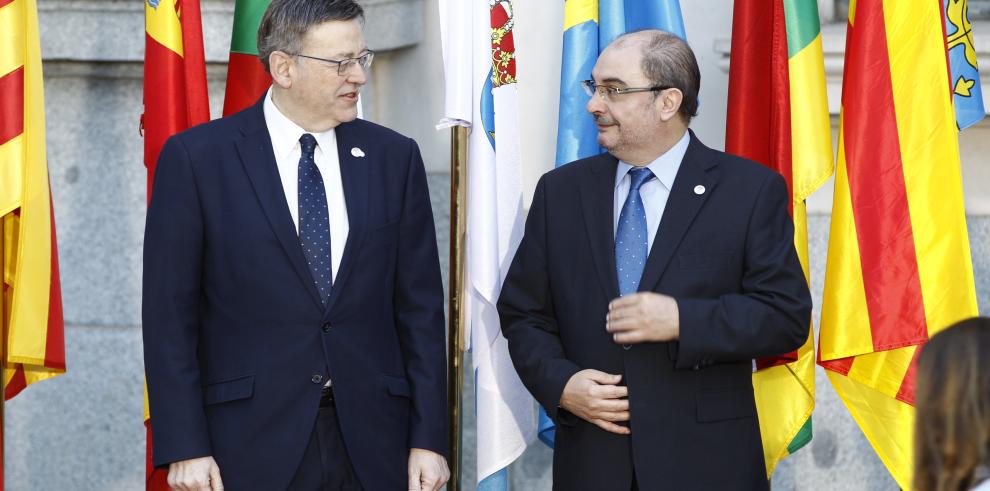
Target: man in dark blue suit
647, 280
293, 309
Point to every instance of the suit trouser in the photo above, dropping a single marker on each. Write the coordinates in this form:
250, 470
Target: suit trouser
325, 465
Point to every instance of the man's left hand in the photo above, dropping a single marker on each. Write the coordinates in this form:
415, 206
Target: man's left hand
643, 317
427, 470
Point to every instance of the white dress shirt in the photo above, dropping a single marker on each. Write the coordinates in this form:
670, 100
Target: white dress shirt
655, 191
285, 142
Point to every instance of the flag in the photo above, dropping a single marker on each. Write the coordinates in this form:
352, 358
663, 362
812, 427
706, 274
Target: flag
778, 116
175, 98
247, 79
32, 332
481, 93
898, 267
31, 306
966, 92
589, 25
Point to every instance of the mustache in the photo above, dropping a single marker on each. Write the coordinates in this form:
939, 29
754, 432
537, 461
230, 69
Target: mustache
603, 120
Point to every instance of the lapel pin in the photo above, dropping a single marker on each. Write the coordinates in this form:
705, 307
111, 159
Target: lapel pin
357, 152
699, 189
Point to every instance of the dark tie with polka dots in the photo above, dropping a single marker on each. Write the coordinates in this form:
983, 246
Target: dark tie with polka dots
314, 218
631, 239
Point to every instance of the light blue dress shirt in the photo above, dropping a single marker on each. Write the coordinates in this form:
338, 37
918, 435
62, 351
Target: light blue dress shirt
655, 191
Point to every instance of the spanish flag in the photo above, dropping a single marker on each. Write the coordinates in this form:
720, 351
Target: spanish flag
778, 116
247, 79
899, 266
32, 341
175, 98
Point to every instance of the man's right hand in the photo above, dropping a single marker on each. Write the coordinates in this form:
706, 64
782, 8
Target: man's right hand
200, 474
594, 397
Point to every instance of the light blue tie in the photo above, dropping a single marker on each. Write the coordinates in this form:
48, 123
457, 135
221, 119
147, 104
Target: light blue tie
314, 218
631, 237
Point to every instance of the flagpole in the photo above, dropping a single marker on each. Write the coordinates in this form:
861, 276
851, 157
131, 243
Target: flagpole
455, 339
3, 347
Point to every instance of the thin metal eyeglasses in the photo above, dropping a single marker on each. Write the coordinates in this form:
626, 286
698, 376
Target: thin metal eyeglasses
607, 92
364, 61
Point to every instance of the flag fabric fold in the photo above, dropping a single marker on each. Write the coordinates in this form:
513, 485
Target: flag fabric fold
778, 116
481, 93
175, 98
898, 267
31, 306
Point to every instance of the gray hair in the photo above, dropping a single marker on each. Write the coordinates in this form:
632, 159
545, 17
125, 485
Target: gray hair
669, 61
286, 22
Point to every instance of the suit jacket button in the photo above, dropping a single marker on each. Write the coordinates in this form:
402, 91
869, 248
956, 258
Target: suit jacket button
326, 327
626, 347
317, 378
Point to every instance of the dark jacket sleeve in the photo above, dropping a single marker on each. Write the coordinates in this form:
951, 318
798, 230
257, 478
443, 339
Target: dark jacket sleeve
526, 311
772, 313
418, 303
171, 295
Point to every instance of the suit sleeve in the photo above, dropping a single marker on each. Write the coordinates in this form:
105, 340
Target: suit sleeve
772, 313
418, 303
173, 250
526, 311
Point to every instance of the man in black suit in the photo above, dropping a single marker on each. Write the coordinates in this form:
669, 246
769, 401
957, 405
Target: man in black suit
293, 309
647, 280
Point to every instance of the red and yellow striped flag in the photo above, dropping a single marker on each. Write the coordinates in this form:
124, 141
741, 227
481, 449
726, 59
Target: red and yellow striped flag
32, 333
899, 266
31, 310
175, 98
778, 116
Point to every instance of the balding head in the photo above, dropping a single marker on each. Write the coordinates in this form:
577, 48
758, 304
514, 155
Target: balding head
666, 61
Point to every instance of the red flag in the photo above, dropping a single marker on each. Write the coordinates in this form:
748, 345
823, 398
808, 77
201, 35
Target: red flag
175, 98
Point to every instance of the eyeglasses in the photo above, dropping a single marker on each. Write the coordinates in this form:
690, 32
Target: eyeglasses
608, 93
364, 61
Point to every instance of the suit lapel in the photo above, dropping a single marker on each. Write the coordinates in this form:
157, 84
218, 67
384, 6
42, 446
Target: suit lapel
258, 158
683, 205
597, 201
355, 179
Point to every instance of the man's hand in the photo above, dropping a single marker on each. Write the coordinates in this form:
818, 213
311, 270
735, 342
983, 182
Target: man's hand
643, 317
427, 470
200, 474
594, 397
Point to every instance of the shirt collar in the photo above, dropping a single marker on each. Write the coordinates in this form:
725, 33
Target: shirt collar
285, 134
664, 167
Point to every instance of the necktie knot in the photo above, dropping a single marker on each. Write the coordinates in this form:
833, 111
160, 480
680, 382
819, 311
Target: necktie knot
638, 176
308, 144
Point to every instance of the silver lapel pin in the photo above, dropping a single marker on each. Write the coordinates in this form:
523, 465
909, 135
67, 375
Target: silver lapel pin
357, 152
699, 190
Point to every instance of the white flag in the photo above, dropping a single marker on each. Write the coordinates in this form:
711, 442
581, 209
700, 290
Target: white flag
481, 93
